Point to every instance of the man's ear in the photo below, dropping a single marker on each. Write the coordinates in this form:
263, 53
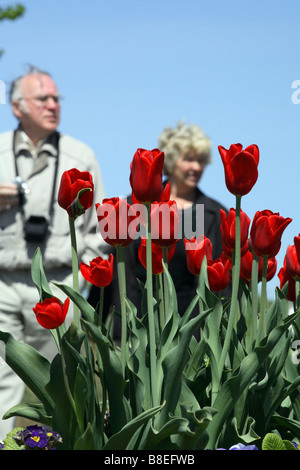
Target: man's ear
17, 109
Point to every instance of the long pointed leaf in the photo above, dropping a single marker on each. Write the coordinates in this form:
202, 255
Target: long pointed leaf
120, 440
39, 277
86, 309
33, 411
30, 366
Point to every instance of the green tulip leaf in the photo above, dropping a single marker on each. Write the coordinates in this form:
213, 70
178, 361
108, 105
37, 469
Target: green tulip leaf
86, 309
30, 366
33, 411
86, 440
121, 439
76, 208
39, 277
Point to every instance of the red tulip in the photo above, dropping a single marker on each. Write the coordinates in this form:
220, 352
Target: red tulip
246, 267
116, 221
141, 209
266, 232
51, 313
284, 277
195, 250
99, 272
164, 223
76, 183
271, 269
157, 255
297, 245
146, 175
164, 197
218, 274
293, 259
240, 167
227, 228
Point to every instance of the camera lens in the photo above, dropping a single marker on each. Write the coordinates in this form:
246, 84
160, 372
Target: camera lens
22, 186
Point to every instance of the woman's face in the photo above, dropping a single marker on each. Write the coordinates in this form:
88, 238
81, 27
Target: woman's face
188, 170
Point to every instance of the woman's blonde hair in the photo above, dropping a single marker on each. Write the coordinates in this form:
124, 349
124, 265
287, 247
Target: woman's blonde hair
182, 140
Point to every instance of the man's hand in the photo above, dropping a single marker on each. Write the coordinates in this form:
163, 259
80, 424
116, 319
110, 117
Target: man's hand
9, 196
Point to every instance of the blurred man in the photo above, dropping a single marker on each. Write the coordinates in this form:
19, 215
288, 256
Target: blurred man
32, 160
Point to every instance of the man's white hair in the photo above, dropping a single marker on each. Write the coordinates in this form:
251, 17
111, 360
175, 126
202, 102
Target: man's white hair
16, 91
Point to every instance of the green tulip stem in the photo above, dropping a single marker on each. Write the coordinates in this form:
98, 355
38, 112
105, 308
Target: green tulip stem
122, 291
151, 321
235, 286
100, 311
160, 300
297, 294
65, 377
74, 267
166, 290
254, 284
262, 324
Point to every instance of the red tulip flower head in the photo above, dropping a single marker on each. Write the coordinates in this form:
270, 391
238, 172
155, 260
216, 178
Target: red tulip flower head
164, 223
146, 175
195, 250
218, 274
246, 267
51, 313
227, 228
76, 192
266, 232
157, 255
284, 277
293, 259
99, 272
117, 221
164, 196
240, 167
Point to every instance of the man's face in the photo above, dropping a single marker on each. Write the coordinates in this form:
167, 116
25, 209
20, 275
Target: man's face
38, 110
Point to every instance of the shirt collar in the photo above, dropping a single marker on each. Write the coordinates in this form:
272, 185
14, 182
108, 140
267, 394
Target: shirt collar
24, 143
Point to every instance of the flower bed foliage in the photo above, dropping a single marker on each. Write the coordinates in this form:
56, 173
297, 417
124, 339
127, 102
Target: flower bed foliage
163, 389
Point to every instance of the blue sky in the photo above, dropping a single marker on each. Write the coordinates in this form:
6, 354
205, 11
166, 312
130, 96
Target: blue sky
128, 69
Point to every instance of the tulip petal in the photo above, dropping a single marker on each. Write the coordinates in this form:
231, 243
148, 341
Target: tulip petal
254, 151
86, 271
241, 174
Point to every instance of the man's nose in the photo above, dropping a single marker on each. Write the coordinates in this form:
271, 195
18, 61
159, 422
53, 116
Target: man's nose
52, 102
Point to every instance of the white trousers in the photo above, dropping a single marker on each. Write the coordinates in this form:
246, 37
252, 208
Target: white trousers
18, 296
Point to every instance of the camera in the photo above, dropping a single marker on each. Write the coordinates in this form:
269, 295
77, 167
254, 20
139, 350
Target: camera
36, 226
22, 188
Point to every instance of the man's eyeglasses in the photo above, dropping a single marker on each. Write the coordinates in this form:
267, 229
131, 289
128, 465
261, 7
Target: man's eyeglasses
42, 100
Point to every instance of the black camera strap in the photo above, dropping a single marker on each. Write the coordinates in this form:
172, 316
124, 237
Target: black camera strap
56, 144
